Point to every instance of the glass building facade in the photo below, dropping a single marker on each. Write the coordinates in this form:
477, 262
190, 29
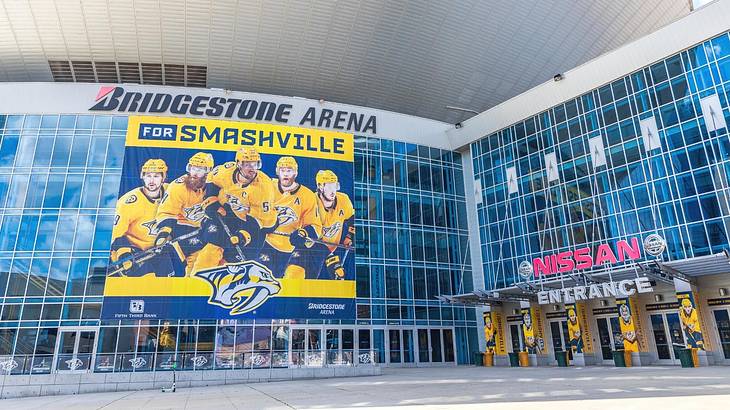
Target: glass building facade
679, 190
59, 180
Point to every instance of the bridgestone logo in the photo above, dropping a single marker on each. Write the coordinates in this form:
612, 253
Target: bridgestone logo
326, 306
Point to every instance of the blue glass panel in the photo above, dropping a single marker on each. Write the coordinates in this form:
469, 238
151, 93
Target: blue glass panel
61, 151
54, 191
4, 188
18, 190
77, 276
79, 151
26, 149
91, 191
84, 122
32, 122
103, 232
27, 232
67, 122
34, 197
72, 190
9, 232
46, 232
97, 156
7, 149
65, 232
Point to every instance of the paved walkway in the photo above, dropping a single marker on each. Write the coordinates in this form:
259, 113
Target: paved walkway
644, 388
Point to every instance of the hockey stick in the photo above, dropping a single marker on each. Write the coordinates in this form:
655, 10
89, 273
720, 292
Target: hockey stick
228, 232
338, 245
142, 257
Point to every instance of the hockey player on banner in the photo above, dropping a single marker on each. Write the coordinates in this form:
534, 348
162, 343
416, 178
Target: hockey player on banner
134, 226
286, 251
337, 215
240, 196
181, 210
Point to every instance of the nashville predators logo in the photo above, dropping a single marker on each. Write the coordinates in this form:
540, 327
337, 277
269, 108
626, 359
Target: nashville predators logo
240, 287
236, 205
285, 215
194, 213
332, 230
150, 225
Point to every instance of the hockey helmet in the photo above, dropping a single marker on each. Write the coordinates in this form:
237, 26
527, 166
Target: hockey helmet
325, 176
248, 155
154, 165
201, 160
286, 162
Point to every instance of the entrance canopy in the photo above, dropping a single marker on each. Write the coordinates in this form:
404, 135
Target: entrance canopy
656, 270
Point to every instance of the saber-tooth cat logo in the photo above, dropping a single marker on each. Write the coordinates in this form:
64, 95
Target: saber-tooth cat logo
240, 287
114, 98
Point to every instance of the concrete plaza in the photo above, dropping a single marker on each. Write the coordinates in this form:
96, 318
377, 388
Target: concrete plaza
469, 387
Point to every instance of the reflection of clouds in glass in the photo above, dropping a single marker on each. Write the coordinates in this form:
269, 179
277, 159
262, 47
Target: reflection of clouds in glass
59, 268
65, 233
110, 191
40, 267
84, 232
46, 233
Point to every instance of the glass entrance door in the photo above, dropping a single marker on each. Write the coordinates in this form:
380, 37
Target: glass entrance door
515, 332
722, 319
668, 336
75, 350
306, 346
435, 346
317, 346
339, 346
609, 334
559, 337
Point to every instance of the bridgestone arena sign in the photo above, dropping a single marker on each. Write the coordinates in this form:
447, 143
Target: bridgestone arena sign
120, 100
620, 289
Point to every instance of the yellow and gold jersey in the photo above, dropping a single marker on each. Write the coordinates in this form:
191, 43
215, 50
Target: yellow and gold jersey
489, 333
529, 334
181, 204
294, 209
573, 330
135, 218
255, 199
224, 175
690, 321
333, 220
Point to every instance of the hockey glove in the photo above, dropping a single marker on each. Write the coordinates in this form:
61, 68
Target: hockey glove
124, 253
212, 208
242, 237
334, 266
164, 235
299, 239
349, 236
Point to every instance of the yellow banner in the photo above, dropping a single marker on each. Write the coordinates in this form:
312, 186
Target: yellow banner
192, 286
627, 316
689, 317
221, 135
494, 333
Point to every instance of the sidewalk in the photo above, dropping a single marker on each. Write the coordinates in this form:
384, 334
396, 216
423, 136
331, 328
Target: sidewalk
465, 387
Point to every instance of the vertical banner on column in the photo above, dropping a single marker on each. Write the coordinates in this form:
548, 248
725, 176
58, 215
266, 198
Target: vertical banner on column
689, 316
584, 327
494, 333
232, 220
628, 324
532, 330
574, 328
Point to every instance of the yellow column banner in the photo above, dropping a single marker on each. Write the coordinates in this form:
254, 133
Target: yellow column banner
628, 318
578, 329
689, 316
532, 330
494, 333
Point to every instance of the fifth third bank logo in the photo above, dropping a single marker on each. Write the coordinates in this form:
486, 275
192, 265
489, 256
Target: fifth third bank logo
136, 306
